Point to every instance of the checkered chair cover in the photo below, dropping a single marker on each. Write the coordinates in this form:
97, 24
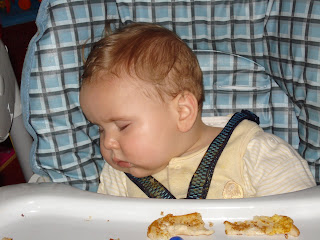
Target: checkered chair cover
258, 55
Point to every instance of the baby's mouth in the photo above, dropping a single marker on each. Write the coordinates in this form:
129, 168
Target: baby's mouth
122, 164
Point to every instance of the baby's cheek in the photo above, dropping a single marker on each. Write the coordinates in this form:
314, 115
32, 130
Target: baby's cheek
105, 154
139, 149
135, 146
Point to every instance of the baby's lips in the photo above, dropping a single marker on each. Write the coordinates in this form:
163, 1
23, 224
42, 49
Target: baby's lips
123, 164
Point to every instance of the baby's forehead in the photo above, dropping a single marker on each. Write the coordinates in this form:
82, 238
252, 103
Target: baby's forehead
124, 80
121, 80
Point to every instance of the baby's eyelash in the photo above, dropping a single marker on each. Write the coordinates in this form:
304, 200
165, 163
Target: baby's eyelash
123, 127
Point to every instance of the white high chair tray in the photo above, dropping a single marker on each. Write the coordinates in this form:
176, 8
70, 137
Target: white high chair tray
50, 211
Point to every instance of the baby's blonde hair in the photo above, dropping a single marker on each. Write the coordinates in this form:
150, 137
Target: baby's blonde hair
153, 54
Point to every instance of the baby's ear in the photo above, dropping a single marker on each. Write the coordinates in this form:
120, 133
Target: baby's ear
187, 107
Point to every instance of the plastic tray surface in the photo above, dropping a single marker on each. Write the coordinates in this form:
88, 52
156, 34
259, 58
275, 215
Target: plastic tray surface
49, 211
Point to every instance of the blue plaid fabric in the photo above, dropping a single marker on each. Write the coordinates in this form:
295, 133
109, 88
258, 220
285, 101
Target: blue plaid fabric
255, 54
66, 146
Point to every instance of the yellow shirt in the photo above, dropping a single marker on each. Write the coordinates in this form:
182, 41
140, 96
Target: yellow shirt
252, 164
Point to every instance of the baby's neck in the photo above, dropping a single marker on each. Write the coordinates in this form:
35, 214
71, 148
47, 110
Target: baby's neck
199, 137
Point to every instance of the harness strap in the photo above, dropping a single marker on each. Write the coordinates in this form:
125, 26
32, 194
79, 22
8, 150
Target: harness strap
201, 180
151, 187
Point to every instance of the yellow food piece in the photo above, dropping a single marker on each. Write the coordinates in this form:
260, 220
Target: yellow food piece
274, 225
263, 225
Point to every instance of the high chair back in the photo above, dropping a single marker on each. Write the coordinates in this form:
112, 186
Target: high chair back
257, 55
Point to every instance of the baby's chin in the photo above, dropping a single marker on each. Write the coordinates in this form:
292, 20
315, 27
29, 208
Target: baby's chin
136, 172
133, 170
141, 172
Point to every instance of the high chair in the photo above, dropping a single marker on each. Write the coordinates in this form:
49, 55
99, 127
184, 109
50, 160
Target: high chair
261, 55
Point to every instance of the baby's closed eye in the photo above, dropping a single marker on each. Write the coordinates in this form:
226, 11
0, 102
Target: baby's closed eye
122, 125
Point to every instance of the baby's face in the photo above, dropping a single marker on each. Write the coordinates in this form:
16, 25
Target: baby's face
137, 133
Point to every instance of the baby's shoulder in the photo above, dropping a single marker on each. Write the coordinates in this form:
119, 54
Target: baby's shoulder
266, 148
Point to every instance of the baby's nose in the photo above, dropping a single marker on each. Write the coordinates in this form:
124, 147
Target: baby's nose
110, 143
